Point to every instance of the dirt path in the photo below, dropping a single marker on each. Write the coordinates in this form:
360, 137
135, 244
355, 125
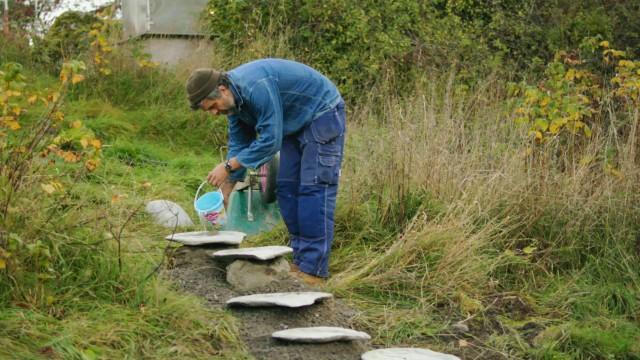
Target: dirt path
193, 270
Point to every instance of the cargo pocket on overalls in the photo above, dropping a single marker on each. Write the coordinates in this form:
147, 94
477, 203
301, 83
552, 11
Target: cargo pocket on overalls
328, 163
327, 134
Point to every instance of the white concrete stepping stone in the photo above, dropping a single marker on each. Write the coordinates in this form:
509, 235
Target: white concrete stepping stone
291, 299
406, 354
168, 214
320, 334
257, 253
208, 237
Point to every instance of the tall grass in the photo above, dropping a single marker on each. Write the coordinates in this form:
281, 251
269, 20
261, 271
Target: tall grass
164, 326
445, 211
449, 211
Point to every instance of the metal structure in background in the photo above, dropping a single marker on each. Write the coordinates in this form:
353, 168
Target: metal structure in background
162, 17
169, 29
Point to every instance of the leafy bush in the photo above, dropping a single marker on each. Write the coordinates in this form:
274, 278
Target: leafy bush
16, 50
357, 44
67, 38
44, 155
580, 91
354, 44
524, 30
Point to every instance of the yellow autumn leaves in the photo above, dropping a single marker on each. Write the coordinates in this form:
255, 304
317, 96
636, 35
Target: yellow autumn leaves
75, 144
93, 142
551, 110
10, 123
100, 47
52, 187
11, 92
68, 140
71, 71
570, 95
14, 99
146, 63
627, 81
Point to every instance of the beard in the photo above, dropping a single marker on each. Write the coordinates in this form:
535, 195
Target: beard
230, 111
229, 107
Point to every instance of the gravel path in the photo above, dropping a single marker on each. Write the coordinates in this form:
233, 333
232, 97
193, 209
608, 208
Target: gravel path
193, 270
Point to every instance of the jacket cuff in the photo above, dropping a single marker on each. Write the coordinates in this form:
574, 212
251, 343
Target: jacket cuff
238, 175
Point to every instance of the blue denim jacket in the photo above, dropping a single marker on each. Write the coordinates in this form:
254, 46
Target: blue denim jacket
274, 98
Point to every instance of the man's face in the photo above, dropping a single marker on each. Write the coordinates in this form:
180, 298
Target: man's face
224, 105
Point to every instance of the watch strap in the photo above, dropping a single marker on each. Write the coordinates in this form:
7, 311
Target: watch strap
227, 166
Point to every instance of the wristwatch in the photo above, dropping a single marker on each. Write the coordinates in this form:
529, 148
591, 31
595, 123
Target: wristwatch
227, 166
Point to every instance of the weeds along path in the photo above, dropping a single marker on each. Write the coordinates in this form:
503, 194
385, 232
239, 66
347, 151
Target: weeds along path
192, 269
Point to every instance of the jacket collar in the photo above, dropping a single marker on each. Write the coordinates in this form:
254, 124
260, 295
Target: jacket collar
237, 96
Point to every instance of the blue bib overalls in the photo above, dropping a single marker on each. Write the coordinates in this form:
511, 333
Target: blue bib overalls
307, 187
289, 107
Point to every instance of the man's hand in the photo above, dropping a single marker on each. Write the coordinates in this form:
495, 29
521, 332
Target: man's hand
218, 175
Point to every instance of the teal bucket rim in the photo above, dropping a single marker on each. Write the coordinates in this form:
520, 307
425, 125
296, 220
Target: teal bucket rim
218, 205
205, 197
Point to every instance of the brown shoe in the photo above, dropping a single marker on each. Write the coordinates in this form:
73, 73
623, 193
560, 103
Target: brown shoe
308, 278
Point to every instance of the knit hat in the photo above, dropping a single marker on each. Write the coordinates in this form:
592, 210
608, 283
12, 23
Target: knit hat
201, 83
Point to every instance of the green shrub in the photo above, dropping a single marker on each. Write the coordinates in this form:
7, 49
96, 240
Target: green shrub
67, 38
354, 44
16, 50
357, 44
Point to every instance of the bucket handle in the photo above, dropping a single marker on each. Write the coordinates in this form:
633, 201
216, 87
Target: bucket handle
195, 199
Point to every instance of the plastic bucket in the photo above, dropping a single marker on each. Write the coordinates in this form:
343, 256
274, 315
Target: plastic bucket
210, 206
